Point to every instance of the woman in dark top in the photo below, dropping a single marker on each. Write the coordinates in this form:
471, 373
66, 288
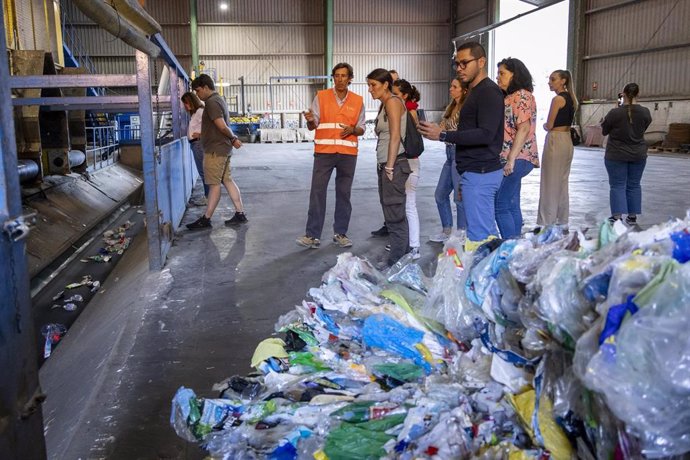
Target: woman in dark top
626, 154
558, 152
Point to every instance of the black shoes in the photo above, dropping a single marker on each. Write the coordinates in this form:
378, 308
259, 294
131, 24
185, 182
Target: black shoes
238, 219
201, 223
383, 231
204, 222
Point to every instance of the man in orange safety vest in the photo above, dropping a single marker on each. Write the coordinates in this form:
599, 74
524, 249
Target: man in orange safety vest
337, 115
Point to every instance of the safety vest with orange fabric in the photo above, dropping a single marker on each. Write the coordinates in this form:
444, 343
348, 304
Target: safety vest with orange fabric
332, 115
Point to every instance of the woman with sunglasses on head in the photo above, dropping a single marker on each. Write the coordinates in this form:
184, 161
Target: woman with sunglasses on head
519, 152
626, 154
409, 94
449, 179
554, 201
393, 168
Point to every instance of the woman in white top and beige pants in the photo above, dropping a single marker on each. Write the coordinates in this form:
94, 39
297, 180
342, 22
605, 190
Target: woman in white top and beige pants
195, 107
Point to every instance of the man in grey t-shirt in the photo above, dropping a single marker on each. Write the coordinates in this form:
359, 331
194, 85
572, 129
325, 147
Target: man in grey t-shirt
217, 139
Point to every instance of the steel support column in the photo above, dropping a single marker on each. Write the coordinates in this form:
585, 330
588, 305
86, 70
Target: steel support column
328, 56
576, 43
175, 101
194, 26
149, 161
21, 420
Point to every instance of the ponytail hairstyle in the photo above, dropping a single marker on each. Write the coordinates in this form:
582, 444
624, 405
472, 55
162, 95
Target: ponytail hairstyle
569, 85
408, 90
631, 91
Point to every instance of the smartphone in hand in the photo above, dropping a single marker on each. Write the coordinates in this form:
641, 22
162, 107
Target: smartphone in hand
421, 115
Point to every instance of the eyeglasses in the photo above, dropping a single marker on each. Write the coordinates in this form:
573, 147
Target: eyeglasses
462, 65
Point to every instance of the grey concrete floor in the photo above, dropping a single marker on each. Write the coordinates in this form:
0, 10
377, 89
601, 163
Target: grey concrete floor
198, 321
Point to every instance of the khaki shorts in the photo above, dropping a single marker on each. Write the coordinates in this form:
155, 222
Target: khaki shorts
216, 168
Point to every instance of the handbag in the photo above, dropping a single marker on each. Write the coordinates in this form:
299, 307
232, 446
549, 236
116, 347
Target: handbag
575, 136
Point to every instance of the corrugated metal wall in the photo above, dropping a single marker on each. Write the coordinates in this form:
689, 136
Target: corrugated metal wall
471, 15
409, 36
615, 44
35, 27
259, 39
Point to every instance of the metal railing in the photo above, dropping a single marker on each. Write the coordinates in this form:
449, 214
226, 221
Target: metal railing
102, 147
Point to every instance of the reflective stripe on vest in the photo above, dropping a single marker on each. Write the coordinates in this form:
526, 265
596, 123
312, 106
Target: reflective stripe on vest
329, 126
335, 142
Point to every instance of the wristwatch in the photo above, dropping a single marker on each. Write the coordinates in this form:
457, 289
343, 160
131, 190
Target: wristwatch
442, 136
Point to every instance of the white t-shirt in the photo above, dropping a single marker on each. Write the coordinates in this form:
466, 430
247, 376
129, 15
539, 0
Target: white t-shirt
195, 123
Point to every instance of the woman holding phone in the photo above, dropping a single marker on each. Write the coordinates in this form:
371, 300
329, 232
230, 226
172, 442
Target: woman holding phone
626, 154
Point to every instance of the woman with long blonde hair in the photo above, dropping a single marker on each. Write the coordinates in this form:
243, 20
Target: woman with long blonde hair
449, 179
554, 200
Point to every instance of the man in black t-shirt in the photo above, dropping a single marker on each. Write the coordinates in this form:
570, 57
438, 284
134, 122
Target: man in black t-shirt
478, 140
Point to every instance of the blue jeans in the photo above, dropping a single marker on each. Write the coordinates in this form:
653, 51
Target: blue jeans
448, 182
508, 212
479, 196
624, 179
198, 154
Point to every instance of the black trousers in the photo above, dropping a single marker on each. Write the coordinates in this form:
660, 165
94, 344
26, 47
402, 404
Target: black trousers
324, 164
392, 197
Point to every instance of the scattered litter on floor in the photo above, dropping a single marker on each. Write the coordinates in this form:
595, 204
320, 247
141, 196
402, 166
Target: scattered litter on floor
52, 332
86, 280
116, 242
549, 346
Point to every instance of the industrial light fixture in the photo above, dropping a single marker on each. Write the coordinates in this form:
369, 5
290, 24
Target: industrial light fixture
223, 6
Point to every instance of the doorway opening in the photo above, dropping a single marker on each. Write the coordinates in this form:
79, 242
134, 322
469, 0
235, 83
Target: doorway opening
540, 40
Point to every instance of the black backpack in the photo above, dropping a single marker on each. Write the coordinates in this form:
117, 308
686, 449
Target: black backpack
413, 141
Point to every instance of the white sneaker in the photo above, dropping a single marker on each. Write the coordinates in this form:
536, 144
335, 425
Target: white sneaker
439, 238
414, 252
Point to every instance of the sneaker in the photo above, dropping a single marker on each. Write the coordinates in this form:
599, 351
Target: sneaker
342, 240
631, 220
308, 242
414, 252
440, 238
238, 219
612, 219
383, 231
388, 247
200, 223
